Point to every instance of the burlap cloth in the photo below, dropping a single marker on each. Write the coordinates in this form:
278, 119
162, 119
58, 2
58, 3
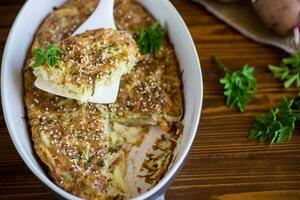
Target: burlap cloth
241, 16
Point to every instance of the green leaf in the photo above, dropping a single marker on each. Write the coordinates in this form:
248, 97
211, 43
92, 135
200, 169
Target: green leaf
288, 70
277, 126
39, 61
51, 55
290, 80
38, 52
150, 39
239, 85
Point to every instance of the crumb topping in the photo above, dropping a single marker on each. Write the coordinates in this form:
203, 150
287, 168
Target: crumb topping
74, 139
94, 57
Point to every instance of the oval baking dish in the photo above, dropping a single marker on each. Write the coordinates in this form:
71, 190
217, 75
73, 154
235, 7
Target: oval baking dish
20, 37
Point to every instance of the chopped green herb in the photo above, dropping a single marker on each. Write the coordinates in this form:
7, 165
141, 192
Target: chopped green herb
48, 55
278, 125
150, 39
288, 70
239, 85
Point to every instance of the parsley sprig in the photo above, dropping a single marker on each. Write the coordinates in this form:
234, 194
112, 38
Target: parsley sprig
150, 39
288, 70
277, 126
51, 55
239, 85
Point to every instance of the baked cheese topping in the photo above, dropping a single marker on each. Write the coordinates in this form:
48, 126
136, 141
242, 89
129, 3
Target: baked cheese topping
88, 61
86, 146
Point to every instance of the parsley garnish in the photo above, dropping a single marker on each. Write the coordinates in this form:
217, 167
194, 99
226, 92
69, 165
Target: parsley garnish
288, 70
48, 55
239, 85
278, 125
150, 39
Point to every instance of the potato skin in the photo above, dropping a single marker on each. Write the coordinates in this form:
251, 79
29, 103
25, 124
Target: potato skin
279, 15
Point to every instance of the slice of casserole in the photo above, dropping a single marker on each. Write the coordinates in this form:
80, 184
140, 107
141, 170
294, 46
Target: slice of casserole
86, 64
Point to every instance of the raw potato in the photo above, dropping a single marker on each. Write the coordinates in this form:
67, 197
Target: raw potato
282, 16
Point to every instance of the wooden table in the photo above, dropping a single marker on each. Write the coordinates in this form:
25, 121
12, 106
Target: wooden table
223, 164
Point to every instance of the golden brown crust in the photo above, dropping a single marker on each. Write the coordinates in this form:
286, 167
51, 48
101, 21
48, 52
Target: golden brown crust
87, 52
93, 56
153, 91
61, 23
149, 95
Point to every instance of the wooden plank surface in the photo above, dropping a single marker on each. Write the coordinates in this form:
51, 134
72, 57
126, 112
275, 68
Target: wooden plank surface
223, 164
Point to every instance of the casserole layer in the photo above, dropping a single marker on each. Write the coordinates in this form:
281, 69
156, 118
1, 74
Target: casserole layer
85, 146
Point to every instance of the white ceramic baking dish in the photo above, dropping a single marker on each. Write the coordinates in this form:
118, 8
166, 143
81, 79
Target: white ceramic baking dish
19, 41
